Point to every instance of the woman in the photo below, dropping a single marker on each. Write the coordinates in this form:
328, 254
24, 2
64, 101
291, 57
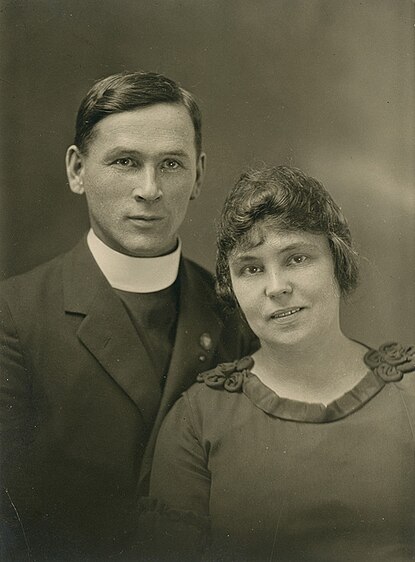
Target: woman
304, 451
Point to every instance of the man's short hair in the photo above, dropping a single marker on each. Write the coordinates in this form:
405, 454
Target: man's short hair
287, 199
127, 91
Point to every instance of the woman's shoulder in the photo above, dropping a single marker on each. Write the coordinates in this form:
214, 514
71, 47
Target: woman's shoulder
227, 376
212, 400
220, 383
392, 362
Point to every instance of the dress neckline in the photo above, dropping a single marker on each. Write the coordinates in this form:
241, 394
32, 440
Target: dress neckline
386, 365
312, 412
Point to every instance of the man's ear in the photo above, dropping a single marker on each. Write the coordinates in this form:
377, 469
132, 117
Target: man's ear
75, 169
200, 174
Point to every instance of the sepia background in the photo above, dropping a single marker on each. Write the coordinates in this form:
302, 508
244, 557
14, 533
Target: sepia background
325, 85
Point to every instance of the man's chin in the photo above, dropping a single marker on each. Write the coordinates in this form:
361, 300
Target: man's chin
149, 248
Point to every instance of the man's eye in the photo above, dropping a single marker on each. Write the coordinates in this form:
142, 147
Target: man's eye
170, 165
297, 259
125, 162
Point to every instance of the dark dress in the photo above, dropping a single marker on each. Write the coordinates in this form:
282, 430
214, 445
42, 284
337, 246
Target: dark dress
277, 479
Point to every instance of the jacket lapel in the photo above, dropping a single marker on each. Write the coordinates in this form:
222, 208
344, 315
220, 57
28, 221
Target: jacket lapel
197, 335
107, 332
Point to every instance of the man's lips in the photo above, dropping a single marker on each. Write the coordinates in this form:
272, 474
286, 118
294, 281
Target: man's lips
146, 218
285, 313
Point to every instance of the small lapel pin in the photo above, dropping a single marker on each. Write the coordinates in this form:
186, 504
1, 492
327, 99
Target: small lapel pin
206, 341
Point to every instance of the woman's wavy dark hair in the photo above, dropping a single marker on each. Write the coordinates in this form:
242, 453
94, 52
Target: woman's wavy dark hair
290, 200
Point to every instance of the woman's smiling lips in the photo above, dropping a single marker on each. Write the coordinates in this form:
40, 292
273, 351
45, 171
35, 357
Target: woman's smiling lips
285, 313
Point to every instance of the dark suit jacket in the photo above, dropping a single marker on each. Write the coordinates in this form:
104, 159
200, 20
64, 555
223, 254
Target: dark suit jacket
80, 405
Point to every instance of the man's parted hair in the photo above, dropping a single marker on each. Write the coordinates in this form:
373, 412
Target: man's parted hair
287, 199
127, 91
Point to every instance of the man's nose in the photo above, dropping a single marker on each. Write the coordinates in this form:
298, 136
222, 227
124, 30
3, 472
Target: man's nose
277, 283
147, 185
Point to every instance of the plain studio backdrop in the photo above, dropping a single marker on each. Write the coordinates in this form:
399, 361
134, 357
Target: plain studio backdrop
324, 85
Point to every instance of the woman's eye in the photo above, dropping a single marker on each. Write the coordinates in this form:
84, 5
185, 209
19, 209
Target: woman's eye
297, 259
170, 165
125, 162
251, 270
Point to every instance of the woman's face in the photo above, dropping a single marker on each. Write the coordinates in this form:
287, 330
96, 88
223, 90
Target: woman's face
286, 287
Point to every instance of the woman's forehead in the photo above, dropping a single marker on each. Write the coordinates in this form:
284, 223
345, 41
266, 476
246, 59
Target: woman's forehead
263, 234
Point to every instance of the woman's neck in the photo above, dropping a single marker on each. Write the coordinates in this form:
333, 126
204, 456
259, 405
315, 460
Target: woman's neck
316, 373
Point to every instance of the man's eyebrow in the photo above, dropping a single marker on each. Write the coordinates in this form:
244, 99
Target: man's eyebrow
121, 149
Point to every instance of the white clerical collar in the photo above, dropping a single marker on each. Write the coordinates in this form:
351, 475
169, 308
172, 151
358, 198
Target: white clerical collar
135, 275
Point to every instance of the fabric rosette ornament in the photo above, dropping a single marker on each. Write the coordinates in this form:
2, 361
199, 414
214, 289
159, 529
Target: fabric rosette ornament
229, 376
391, 361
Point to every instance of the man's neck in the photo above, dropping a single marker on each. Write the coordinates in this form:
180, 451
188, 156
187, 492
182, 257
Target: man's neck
135, 275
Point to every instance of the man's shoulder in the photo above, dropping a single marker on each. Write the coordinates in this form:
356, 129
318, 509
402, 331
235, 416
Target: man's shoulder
236, 336
44, 277
200, 272
38, 272
27, 297
200, 283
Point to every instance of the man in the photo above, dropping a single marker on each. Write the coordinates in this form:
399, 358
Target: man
97, 344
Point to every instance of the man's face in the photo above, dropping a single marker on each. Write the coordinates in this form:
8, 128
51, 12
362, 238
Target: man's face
139, 174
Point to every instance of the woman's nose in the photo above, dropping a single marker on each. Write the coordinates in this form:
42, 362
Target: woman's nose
147, 187
277, 283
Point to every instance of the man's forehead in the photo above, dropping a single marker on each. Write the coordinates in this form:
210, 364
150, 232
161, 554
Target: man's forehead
166, 126
167, 115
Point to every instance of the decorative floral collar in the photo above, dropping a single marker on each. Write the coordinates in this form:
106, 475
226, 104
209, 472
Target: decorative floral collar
388, 364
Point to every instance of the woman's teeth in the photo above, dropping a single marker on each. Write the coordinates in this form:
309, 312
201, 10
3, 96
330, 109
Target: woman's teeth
285, 313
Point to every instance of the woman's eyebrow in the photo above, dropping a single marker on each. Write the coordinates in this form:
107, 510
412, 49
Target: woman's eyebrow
246, 255
243, 258
298, 246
